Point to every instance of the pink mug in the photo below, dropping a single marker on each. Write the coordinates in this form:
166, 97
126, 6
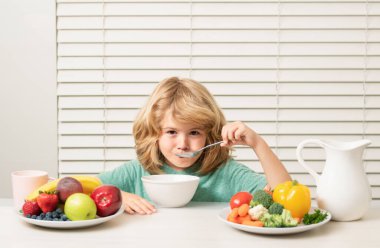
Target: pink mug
24, 182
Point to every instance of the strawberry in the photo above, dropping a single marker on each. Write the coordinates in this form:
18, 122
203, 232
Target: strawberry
47, 201
31, 208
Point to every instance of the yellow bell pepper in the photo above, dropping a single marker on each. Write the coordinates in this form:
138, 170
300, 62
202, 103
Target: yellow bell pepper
294, 197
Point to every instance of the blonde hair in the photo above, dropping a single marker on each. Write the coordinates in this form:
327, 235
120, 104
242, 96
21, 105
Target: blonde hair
189, 102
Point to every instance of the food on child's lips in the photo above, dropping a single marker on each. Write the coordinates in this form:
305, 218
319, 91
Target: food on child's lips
293, 196
240, 198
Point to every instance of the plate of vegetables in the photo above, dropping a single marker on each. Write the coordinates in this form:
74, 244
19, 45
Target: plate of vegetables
286, 210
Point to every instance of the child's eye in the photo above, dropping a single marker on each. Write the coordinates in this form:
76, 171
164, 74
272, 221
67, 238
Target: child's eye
194, 132
171, 132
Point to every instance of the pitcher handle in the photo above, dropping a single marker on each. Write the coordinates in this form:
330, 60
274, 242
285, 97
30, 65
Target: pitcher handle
302, 161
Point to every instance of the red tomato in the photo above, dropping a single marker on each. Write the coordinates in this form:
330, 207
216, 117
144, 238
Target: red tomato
240, 198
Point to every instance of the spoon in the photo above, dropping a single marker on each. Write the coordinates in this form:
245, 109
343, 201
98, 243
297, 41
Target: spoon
193, 154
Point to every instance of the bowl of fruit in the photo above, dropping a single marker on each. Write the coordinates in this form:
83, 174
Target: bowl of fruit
72, 202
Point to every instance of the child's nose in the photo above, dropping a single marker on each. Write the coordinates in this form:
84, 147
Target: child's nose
182, 142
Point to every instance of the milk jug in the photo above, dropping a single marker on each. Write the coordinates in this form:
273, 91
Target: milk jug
342, 188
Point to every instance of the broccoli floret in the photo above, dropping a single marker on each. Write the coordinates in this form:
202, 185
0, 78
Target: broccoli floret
271, 220
263, 198
275, 208
287, 219
253, 203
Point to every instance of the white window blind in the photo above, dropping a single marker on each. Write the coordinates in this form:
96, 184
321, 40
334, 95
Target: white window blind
292, 70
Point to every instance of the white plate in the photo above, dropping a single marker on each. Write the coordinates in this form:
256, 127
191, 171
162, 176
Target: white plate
272, 230
71, 224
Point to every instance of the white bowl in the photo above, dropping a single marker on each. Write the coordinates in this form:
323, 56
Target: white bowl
170, 190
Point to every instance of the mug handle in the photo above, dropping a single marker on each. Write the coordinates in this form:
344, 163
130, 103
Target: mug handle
302, 161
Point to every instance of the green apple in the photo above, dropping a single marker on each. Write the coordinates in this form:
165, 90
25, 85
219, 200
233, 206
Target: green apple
80, 206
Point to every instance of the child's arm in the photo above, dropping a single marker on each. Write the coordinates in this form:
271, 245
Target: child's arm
274, 170
237, 133
135, 204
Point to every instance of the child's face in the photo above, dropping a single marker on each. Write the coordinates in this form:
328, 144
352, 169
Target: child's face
178, 138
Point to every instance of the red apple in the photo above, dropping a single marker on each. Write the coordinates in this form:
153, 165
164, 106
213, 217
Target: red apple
107, 199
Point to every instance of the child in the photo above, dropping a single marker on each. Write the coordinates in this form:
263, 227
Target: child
181, 116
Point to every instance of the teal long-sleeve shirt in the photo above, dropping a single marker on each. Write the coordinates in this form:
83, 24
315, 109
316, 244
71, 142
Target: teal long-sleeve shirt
217, 186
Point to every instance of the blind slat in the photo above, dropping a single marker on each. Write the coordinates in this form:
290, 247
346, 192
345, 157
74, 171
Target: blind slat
253, 63
217, 22
218, 49
228, 89
216, 36
258, 8
341, 130
127, 141
245, 102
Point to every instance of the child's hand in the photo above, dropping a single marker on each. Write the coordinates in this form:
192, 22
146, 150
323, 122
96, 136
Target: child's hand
237, 133
136, 204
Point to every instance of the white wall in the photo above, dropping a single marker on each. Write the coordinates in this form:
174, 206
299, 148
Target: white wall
28, 129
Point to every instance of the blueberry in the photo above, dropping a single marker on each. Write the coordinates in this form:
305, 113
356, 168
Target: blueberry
34, 216
48, 214
54, 215
42, 215
59, 211
28, 216
39, 218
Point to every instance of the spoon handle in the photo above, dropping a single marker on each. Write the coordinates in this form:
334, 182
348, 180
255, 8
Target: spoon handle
213, 144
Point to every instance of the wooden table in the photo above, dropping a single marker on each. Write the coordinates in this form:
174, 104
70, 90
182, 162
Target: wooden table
195, 225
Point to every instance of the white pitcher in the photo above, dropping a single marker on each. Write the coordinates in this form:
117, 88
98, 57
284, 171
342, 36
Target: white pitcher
342, 188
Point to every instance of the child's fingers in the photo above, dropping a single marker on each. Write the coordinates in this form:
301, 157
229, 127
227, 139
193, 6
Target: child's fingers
147, 207
128, 209
240, 131
241, 135
231, 132
136, 207
137, 204
142, 206
224, 135
238, 134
